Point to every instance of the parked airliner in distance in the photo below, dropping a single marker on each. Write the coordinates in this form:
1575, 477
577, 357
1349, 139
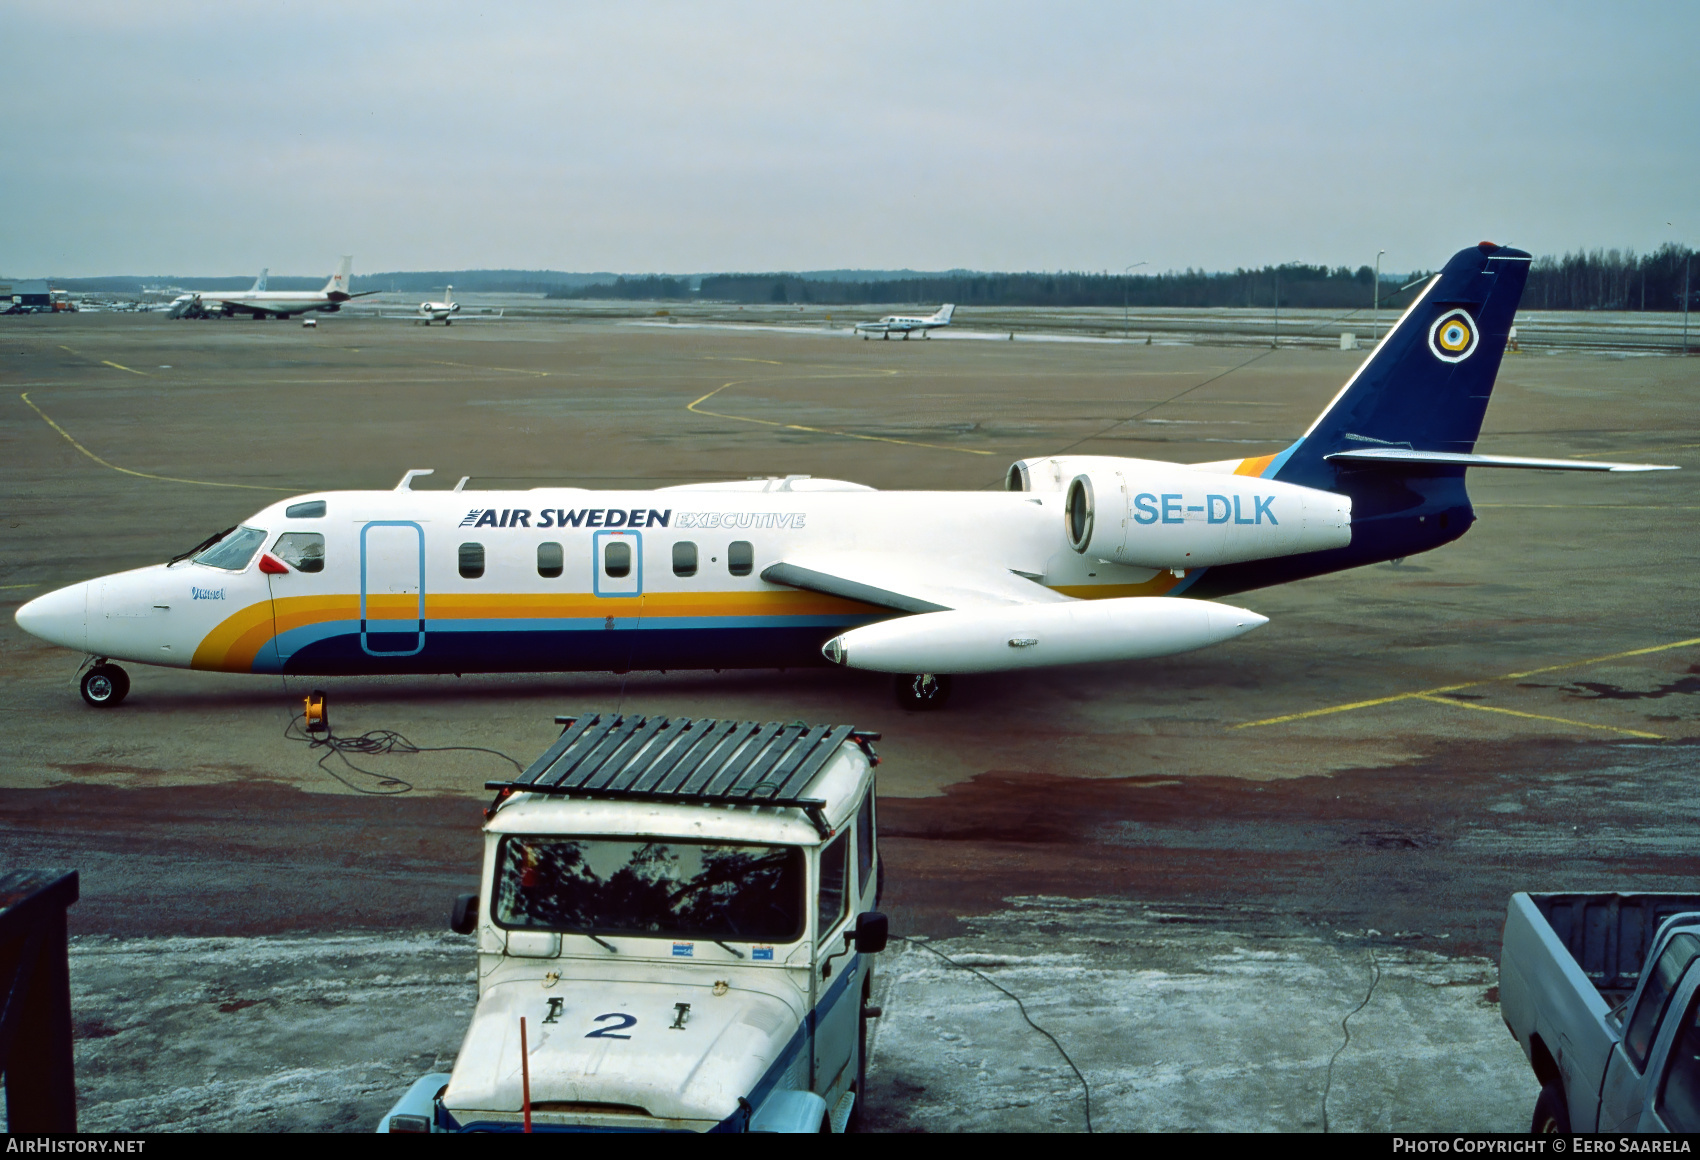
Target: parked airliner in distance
258, 302
905, 324
1082, 558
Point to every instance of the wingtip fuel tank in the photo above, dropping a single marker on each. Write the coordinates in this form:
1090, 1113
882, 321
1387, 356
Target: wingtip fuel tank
986, 640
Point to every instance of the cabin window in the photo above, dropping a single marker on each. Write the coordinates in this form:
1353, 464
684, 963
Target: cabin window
303, 551
234, 551
471, 561
832, 898
865, 842
549, 559
313, 509
617, 558
1655, 994
1679, 1097
740, 557
684, 558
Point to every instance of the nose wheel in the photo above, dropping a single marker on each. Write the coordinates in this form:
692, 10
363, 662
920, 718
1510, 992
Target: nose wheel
919, 692
104, 685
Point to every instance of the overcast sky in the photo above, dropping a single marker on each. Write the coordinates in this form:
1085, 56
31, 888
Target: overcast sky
682, 137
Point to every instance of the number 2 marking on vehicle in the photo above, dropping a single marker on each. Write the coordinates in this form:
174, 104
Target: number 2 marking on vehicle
608, 1032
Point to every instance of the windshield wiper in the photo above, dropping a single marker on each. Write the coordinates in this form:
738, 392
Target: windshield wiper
202, 546
733, 949
612, 949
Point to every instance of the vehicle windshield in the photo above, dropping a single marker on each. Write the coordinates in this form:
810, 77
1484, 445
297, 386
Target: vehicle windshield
666, 888
234, 550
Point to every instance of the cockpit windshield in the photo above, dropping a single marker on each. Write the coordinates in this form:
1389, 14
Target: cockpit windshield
658, 888
233, 550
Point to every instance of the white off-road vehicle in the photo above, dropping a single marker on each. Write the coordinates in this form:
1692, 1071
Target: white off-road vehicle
675, 928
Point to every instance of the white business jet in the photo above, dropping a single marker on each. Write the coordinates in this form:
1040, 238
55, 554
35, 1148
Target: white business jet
905, 324
1082, 558
444, 312
259, 302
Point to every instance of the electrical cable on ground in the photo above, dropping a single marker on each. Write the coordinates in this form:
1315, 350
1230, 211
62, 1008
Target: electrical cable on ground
1085, 1088
374, 742
1346, 1033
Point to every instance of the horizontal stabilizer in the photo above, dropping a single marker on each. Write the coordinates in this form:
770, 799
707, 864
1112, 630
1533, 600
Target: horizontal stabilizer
1399, 457
908, 585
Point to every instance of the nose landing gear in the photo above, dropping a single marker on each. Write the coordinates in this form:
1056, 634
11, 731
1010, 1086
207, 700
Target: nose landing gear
104, 685
919, 692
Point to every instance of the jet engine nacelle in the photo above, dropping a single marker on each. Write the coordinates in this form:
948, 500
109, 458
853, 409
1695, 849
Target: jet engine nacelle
1138, 513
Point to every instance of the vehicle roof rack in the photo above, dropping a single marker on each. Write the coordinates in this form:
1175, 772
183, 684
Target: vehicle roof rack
703, 761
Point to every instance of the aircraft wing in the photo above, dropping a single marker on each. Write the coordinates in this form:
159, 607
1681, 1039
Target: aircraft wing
909, 585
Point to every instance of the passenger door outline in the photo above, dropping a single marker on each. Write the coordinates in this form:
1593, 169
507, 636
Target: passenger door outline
384, 569
604, 585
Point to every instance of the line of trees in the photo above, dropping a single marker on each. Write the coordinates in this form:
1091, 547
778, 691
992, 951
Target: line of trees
1613, 280
1585, 280
1299, 286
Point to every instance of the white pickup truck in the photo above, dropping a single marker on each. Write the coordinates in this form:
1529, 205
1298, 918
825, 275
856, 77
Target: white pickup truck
1603, 993
676, 921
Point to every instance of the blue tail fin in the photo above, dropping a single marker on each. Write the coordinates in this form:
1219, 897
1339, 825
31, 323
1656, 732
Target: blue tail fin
1426, 386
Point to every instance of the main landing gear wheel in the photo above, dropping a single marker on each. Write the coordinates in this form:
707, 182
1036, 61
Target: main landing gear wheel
104, 686
919, 692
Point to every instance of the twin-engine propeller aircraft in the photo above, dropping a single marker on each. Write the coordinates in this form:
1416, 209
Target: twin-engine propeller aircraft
1083, 558
258, 302
905, 324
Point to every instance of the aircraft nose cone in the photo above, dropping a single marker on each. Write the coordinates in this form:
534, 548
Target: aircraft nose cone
833, 650
60, 617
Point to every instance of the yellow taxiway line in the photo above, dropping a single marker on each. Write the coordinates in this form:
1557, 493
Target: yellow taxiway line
695, 407
25, 396
1540, 717
1435, 693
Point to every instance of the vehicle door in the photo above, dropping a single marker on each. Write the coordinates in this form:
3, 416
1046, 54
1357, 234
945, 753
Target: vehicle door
1623, 1094
392, 588
1671, 1102
838, 977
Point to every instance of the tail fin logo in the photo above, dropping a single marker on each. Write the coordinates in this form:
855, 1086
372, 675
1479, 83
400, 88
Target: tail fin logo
1453, 337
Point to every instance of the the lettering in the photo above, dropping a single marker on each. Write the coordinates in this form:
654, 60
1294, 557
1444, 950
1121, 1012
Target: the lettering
522, 518
593, 518
570, 519
1210, 501
1265, 507
547, 520
636, 518
206, 593
487, 519
1239, 518
614, 518
1171, 509
1145, 508
659, 519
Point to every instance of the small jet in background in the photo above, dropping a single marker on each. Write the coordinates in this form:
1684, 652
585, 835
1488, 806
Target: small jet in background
904, 324
258, 302
444, 311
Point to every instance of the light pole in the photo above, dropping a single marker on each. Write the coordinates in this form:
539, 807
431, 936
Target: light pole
1125, 273
1375, 312
1687, 264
